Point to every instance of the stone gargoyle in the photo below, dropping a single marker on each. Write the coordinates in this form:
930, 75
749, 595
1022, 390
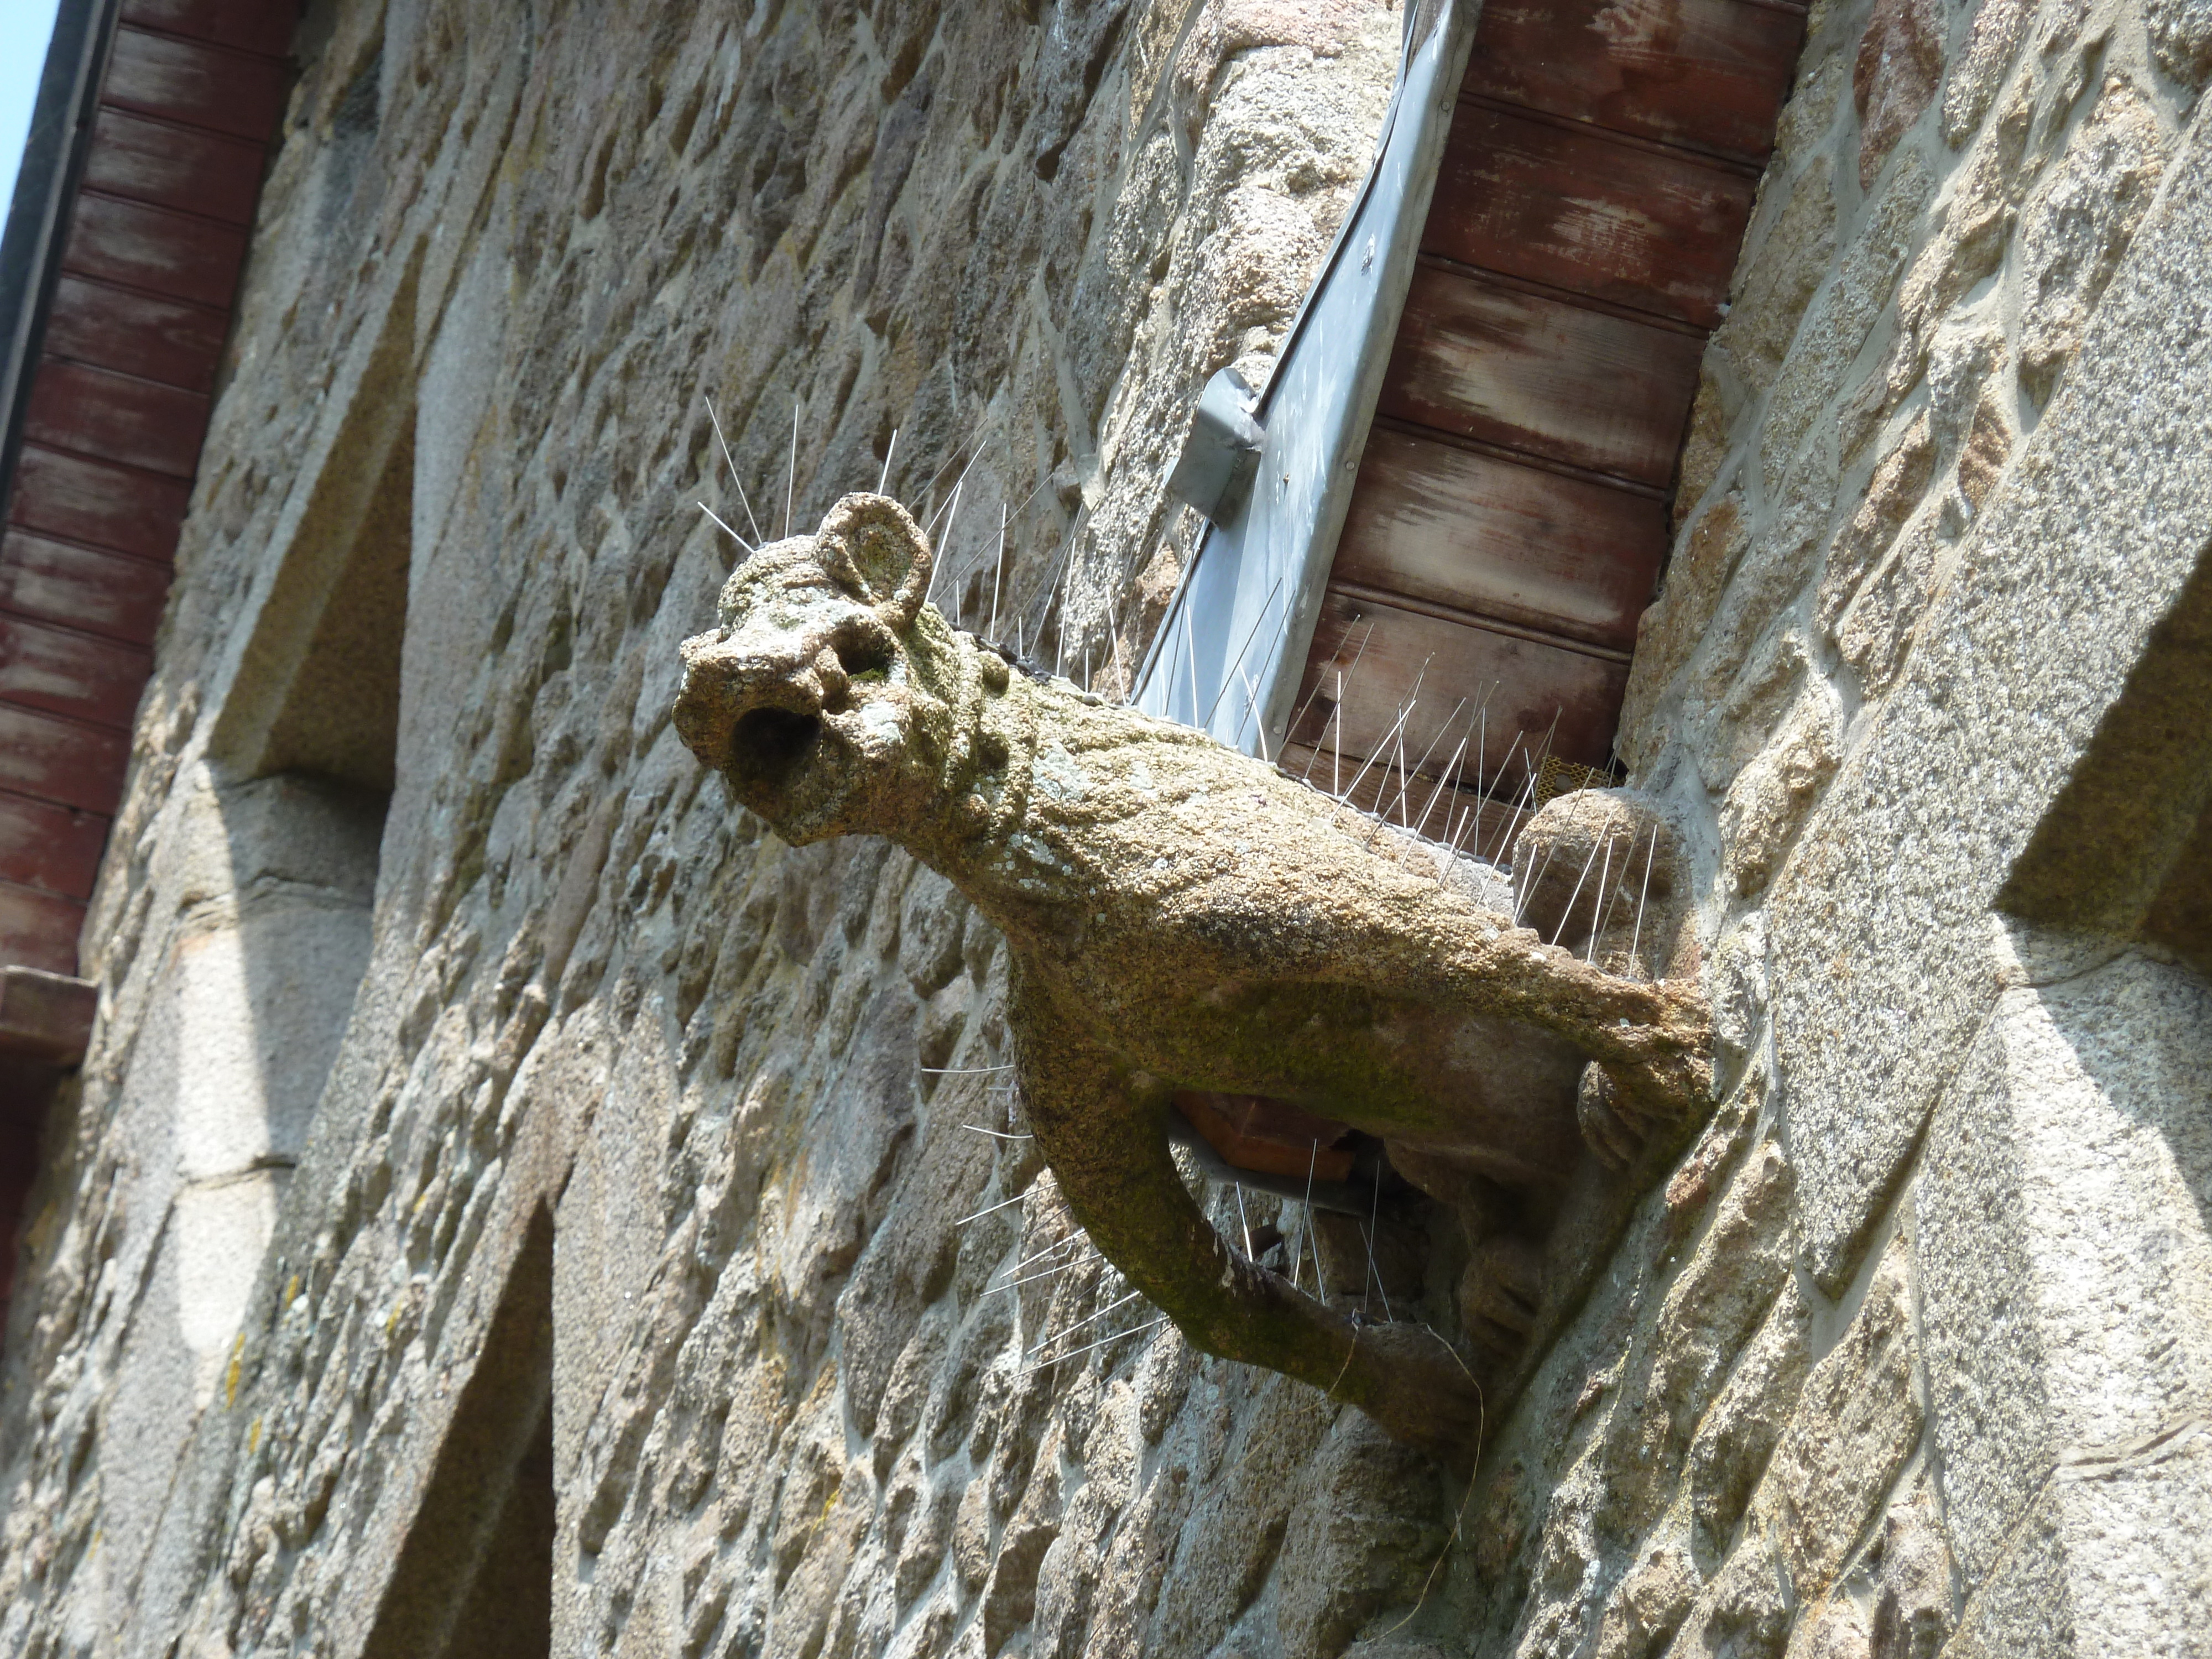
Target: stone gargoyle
1179, 917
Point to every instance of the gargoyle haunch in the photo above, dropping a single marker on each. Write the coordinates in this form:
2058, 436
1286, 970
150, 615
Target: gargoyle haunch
1179, 917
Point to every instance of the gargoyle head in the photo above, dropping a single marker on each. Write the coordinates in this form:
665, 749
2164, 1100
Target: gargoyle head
824, 696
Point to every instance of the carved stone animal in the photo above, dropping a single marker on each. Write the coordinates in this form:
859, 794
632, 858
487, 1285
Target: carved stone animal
1179, 917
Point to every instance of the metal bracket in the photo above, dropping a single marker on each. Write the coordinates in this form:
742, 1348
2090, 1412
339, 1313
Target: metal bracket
1221, 457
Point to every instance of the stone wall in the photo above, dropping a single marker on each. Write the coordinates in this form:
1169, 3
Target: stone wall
639, 1117
1902, 1357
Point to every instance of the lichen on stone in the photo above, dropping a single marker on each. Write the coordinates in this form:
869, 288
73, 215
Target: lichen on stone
1180, 916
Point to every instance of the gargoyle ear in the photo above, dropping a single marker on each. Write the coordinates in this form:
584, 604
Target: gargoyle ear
872, 546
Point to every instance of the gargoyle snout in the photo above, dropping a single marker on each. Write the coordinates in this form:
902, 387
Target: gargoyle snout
755, 720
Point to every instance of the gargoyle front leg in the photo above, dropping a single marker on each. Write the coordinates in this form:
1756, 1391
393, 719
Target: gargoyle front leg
1104, 1130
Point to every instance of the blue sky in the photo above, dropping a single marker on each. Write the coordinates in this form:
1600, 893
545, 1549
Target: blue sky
24, 26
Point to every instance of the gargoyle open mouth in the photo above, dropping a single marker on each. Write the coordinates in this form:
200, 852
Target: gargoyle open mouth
770, 746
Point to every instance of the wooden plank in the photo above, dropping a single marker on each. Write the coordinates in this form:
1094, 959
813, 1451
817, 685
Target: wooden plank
97, 502
1573, 208
213, 87
259, 25
39, 930
54, 848
1270, 1137
62, 760
65, 672
1712, 73
119, 417
1450, 527
1591, 389
156, 249
81, 587
140, 334
1532, 687
182, 167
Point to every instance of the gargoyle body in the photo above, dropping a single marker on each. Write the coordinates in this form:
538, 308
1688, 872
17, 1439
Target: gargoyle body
1180, 917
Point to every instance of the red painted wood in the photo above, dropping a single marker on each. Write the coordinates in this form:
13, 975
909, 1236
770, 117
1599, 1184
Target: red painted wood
1537, 375
1529, 683
261, 26
81, 587
63, 761
1269, 1136
1524, 546
1712, 73
119, 417
202, 86
54, 849
140, 334
1575, 210
176, 167
37, 930
156, 249
95, 501
65, 672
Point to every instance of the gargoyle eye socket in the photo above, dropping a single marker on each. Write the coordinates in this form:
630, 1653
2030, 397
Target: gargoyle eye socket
864, 653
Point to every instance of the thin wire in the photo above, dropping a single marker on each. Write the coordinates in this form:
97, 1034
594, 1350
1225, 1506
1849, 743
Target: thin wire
1315, 692
1088, 1319
717, 518
1190, 661
1051, 1249
995, 1134
790, 478
1635, 959
1244, 1221
945, 542
1336, 745
1049, 1272
992, 1209
1370, 1244
1249, 636
1442, 731
1059, 1358
889, 450
734, 479
1413, 699
1312, 1158
1603, 895
1567, 916
965, 1071
998, 570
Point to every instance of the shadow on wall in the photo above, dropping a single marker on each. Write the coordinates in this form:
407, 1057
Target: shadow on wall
280, 835
2065, 1231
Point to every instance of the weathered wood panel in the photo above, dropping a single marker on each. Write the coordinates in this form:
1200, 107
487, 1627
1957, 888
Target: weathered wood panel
164, 252
1532, 687
95, 501
66, 673
48, 846
1711, 73
181, 167
1562, 555
1575, 208
39, 930
97, 412
100, 593
1594, 390
202, 86
167, 340
260, 25
63, 761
